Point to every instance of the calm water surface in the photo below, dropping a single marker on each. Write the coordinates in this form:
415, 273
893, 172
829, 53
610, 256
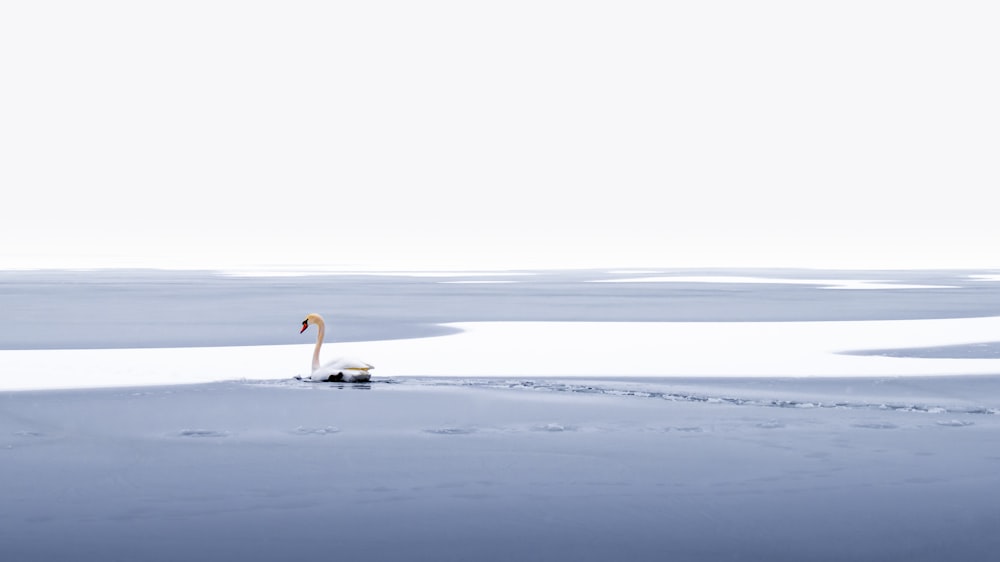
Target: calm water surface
139, 308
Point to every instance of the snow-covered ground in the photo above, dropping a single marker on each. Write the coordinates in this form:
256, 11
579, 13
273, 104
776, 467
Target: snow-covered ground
532, 438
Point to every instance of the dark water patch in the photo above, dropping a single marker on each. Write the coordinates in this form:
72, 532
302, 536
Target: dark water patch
451, 430
202, 433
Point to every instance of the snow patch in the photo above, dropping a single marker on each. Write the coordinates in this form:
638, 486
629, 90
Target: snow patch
542, 349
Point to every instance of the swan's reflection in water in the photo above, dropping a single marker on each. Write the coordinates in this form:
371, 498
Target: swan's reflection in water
354, 385
300, 382
361, 385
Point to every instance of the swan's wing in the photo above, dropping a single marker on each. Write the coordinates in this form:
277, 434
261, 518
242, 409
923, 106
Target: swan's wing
347, 363
349, 367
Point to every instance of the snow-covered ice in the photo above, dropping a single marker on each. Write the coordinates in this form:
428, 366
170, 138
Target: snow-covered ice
656, 349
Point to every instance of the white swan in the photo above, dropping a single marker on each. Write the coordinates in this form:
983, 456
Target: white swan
341, 368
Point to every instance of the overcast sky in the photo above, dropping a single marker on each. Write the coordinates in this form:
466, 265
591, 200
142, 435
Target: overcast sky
500, 133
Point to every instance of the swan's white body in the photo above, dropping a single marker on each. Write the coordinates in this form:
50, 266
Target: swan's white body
340, 369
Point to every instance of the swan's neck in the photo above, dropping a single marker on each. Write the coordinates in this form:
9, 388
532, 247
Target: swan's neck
319, 343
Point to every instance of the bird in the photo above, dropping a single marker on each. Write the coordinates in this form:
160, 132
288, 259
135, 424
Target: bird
341, 369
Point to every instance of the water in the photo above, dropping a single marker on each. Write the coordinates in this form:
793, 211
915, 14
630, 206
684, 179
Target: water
148, 308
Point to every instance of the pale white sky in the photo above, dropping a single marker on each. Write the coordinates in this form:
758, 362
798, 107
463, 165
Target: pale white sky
503, 133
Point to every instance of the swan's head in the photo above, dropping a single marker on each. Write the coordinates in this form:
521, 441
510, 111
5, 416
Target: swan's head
310, 320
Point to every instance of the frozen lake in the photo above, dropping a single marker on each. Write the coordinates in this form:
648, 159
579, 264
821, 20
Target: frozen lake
64, 310
523, 465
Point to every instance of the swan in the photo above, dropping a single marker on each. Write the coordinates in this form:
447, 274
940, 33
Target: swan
341, 368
